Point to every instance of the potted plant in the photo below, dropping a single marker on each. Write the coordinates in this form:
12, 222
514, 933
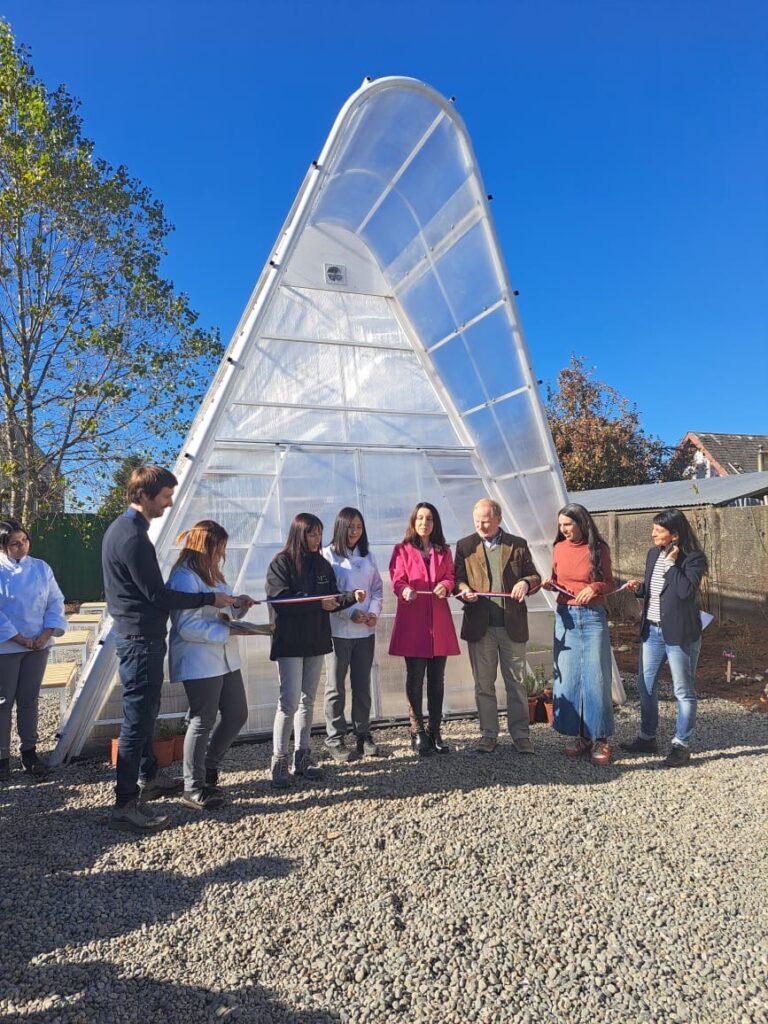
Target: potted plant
540, 695
164, 743
533, 686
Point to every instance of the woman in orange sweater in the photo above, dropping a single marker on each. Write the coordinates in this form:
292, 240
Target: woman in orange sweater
581, 573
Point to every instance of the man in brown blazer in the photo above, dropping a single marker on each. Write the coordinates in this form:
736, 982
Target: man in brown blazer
496, 628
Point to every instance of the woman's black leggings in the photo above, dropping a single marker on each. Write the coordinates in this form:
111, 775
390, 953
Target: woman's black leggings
414, 690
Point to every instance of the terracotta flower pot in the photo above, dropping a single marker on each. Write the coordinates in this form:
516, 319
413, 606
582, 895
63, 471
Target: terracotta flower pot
533, 703
163, 750
178, 747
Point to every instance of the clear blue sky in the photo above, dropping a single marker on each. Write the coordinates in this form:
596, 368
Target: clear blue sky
624, 142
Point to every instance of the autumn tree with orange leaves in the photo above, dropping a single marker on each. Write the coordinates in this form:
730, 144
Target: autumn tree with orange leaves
597, 434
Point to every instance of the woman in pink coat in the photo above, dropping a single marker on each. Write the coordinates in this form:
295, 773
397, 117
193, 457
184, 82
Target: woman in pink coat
421, 570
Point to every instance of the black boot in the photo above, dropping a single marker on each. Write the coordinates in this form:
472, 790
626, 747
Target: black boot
437, 742
33, 765
420, 743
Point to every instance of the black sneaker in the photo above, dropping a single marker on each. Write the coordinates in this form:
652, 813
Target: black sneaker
677, 757
160, 786
33, 765
366, 745
212, 781
338, 751
641, 745
202, 799
302, 765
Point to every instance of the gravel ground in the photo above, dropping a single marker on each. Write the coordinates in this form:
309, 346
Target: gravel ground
467, 888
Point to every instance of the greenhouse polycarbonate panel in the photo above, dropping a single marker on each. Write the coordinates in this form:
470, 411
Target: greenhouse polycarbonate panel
380, 361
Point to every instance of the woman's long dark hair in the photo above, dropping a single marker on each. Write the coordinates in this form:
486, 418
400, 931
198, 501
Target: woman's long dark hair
340, 528
296, 545
589, 532
436, 538
672, 519
7, 527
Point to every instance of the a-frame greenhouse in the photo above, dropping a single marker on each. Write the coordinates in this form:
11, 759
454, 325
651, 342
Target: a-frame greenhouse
379, 361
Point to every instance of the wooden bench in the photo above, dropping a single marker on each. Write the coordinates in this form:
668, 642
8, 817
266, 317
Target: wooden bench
74, 640
84, 620
93, 608
58, 677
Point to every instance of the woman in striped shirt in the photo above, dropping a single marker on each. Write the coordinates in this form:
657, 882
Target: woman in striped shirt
670, 629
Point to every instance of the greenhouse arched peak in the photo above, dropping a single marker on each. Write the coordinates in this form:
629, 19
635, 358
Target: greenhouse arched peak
380, 361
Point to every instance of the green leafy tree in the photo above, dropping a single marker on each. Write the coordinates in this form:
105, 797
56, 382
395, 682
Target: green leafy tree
597, 433
99, 355
115, 501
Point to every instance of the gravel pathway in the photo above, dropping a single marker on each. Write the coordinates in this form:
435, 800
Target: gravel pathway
467, 888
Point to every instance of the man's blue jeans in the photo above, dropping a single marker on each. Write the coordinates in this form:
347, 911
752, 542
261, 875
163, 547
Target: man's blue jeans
141, 674
682, 664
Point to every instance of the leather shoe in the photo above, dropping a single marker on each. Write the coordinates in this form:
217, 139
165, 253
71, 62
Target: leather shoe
438, 743
641, 745
420, 743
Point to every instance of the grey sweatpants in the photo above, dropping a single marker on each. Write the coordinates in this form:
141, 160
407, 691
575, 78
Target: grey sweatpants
20, 678
207, 697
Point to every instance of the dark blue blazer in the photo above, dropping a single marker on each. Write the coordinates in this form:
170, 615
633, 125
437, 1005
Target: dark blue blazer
680, 622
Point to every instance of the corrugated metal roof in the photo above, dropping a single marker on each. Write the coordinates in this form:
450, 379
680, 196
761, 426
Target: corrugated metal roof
719, 490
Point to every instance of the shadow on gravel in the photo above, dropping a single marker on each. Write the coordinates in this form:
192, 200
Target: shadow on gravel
100, 992
80, 910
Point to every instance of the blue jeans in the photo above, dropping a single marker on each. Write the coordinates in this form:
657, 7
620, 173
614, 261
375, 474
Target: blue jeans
141, 674
682, 665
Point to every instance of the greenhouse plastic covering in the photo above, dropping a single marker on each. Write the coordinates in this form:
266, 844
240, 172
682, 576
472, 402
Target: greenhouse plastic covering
380, 361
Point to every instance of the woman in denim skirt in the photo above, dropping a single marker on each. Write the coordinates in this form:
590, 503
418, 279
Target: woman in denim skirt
581, 575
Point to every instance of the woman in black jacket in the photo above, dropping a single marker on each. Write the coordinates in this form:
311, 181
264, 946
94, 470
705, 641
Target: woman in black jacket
301, 639
670, 628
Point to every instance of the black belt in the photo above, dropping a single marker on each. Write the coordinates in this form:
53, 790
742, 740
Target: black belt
652, 623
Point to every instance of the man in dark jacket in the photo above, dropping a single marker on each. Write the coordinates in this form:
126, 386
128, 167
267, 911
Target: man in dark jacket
496, 628
139, 602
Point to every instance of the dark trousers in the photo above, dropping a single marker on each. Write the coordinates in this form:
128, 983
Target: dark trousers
20, 678
204, 749
141, 674
414, 690
353, 655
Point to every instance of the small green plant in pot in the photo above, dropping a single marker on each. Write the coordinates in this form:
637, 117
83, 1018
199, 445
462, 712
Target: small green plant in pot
539, 686
164, 742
